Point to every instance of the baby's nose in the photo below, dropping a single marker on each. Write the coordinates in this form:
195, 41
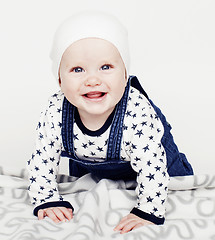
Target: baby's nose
92, 81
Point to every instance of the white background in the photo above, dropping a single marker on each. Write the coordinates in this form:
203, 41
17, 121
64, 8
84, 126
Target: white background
172, 44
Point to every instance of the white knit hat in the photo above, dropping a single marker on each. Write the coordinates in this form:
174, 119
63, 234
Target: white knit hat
89, 24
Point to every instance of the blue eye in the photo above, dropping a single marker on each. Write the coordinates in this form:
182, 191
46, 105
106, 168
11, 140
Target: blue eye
106, 67
77, 69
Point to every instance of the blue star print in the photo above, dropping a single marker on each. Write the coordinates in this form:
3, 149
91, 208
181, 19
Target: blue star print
141, 145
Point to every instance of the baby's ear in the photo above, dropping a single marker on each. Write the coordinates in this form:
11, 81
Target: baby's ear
59, 81
126, 79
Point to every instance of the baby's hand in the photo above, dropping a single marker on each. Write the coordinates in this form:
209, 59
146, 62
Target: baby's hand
57, 214
130, 222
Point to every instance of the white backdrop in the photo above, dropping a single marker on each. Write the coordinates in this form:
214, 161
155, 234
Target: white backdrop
172, 53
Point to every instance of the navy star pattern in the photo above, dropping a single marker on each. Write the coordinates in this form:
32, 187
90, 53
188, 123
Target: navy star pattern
141, 145
44, 162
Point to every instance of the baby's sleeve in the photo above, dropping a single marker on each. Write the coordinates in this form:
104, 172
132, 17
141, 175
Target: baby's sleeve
44, 163
148, 159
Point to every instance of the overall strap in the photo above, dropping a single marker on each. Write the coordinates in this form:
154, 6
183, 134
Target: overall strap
67, 128
136, 84
115, 137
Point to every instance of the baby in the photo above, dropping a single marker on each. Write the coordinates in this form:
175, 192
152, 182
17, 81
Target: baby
102, 122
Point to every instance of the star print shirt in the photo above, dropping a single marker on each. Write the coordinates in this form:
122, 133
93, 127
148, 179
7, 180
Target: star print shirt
141, 145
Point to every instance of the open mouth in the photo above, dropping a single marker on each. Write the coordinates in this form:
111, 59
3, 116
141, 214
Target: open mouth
95, 95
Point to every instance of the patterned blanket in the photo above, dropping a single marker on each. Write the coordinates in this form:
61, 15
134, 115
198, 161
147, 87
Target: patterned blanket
100, 204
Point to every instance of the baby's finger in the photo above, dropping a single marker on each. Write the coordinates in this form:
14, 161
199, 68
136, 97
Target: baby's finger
59, 214
41, 214
122, 223
51, 214
67, 212
128, 227
138, 225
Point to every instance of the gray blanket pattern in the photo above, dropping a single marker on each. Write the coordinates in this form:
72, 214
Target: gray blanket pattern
100, 204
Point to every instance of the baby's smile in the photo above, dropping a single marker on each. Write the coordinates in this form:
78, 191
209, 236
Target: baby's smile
95, 95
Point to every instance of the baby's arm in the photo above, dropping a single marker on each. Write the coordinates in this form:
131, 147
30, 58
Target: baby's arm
148, 159
44, 163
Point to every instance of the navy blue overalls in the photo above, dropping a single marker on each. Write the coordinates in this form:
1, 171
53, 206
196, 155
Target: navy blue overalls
113, 167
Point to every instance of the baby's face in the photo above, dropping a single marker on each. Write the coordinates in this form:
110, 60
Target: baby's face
92, 76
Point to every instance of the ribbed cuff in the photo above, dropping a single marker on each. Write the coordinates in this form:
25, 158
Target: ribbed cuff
53, 204
147, 216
